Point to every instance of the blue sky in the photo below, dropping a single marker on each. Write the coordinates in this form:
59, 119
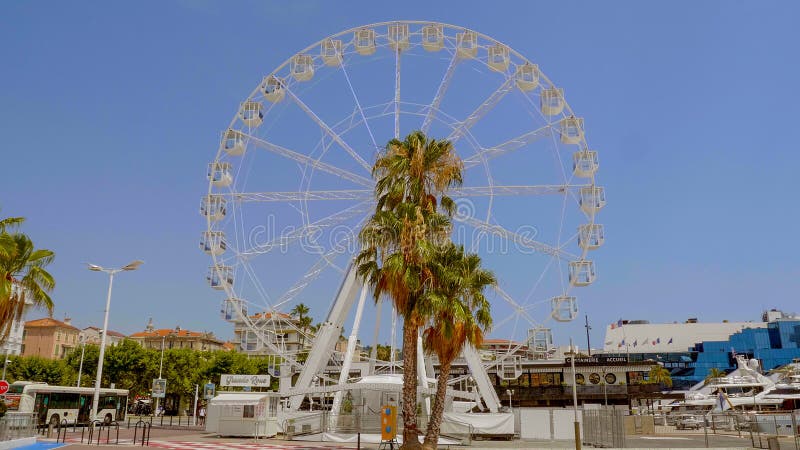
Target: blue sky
111, 111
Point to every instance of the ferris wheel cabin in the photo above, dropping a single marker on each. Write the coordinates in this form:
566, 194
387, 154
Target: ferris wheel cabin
591, 236
540, 339
527, 76
564, 309
498, 58
233, 142
233, 308
581, 273
432, 38
213, 206
467, 44
571, 130
213, 242
584, 163
364, 41
592, 199
272, 88
331, 52
219, 277
251, 114
302, 67
398, 36
552, 101
219, 173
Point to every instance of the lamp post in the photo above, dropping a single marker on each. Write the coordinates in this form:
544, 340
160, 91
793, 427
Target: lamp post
574, 354
111, 272
80, 367
510, 392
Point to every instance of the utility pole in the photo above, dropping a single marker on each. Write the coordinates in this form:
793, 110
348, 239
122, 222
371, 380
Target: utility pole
588, 344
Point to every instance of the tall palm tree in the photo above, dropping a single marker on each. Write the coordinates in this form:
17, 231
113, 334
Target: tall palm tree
659, 375
6, 243
399, 240
23, 267
461, 318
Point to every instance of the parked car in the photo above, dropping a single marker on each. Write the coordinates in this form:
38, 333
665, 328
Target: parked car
688, 423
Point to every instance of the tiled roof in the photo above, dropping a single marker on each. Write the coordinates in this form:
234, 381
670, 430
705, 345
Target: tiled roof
48, 322
110, 332
171, 332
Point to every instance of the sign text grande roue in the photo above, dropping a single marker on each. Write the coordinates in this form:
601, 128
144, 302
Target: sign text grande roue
245, 380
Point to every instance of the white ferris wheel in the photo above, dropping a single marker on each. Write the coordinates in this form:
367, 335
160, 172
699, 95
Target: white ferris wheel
291, 186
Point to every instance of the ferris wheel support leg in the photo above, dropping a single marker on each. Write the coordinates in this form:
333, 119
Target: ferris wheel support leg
373, 354
485, 387
421, 375
328, 334
351, 349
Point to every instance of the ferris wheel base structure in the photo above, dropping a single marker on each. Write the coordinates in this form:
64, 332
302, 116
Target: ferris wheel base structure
330, 330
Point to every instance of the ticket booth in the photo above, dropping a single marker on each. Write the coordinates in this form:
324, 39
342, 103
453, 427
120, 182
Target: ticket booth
250, 414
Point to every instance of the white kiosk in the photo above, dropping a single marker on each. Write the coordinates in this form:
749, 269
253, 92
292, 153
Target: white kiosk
250, 414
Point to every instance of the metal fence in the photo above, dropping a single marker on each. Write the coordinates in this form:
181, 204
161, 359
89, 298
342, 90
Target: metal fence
761, 429
604, 428
17, 426
366, 424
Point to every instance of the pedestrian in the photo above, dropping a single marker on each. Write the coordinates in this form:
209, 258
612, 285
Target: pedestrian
202, 415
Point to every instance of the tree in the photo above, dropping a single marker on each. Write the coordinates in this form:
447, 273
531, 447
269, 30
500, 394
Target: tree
659, 375
462, 316
399, 239
713, 374
303, 320
22, 265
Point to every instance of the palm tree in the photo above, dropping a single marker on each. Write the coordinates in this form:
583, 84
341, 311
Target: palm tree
461, 318
23, 266
714, 373
659, 375
6, 243
304, 321
399, 240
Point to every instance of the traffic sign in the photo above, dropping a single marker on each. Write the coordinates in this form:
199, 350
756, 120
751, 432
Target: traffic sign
3, 387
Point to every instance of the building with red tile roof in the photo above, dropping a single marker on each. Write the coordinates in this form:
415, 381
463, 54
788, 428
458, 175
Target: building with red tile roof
176, 338
49, 338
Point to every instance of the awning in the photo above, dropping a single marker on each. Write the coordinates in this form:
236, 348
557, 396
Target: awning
238, 399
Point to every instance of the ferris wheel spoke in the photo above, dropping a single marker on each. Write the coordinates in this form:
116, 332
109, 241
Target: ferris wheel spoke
327, 130
397, 94
358, 103
437, 99
486, 191
517, 307
507, 147
518, 239
323, 262
307, 230
481, 110
301, 158
348, 194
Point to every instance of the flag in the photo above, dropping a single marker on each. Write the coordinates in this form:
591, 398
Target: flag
613, 325
619, 323
622, 342
654, 342
658, 340
670, 341
635, 342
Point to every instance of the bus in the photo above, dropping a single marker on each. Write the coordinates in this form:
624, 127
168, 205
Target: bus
52, 404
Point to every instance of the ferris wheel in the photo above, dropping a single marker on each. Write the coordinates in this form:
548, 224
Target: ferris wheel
291, 186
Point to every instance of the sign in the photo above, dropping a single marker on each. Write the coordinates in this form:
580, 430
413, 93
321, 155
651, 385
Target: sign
388, 423
245, 380
3, 387
597, 359
209, 390
159, 388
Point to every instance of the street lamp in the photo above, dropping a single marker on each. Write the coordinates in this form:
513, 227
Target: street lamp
111, 272
573, 352
161, 366
510, 392
80, 367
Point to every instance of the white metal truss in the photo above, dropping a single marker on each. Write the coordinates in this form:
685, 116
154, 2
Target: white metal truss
437, 99
518, 239
481, 110
301, 158
507, 146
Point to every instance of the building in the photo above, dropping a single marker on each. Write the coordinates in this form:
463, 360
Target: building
12, 345
94, 335
691, 349
177, 337
264, 332
49, 338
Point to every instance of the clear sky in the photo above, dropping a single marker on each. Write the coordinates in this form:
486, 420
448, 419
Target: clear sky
111, 111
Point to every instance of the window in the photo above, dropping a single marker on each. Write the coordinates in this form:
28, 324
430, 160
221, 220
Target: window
249, 411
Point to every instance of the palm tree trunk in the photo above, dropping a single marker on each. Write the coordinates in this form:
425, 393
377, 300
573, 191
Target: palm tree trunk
410, 432
435, 421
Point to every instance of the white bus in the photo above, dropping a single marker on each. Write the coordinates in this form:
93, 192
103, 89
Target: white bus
53, 404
